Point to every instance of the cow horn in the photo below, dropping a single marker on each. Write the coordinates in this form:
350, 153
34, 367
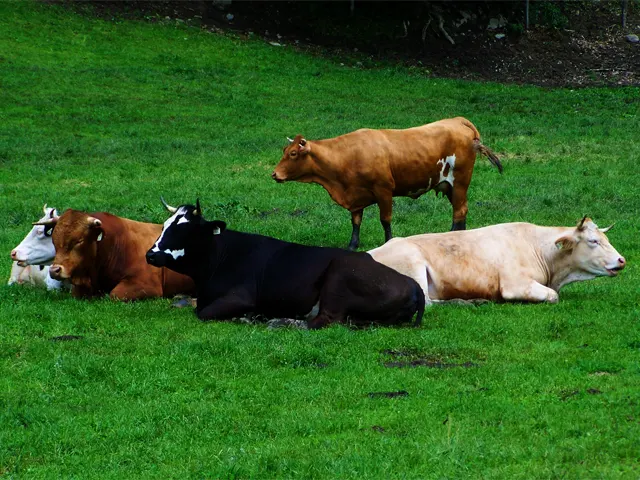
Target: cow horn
606, 229
44, 209
198, 210
290, 140
581, 224
167, 206
50, 221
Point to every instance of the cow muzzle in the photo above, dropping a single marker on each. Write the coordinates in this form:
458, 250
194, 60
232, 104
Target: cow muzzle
275, 176
57, 272
14, 257
621, 264
155, 258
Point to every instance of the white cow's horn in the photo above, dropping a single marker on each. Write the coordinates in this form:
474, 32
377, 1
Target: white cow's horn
167, 206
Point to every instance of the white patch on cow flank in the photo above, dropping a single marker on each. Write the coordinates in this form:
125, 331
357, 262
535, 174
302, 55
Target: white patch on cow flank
175, 253
180, 213
451, 161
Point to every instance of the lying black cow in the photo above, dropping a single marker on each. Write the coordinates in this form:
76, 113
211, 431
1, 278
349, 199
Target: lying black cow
238, 273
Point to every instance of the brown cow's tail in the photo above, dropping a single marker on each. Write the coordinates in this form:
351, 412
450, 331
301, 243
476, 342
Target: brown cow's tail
487, 152
479, 147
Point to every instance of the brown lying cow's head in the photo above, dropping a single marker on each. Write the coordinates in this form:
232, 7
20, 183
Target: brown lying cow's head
75, 238
591, 252
295, 161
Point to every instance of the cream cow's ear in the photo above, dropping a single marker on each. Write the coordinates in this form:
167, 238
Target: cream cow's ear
565, 243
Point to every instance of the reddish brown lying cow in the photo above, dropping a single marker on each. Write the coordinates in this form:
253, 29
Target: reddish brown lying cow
101, 253
372, 166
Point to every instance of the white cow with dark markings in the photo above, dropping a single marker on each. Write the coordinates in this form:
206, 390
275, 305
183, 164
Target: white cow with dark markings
507, 262
32, 257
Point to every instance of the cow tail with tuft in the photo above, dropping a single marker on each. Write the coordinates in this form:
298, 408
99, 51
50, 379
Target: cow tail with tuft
421, 303
487, 152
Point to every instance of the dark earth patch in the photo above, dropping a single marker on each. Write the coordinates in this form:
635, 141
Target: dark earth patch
66, 338
400, 393
594, 391
413, 358
378, 428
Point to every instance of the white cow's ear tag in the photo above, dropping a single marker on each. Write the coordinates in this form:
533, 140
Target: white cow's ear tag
216, 231
100, 236
559, 245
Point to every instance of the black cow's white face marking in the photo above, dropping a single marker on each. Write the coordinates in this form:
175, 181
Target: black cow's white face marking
166, 243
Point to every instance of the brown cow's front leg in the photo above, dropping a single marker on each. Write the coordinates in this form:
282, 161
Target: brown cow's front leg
385, 202
130, 290
356, 220
458, 201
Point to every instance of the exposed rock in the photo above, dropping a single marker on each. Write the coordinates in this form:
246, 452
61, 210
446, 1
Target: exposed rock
496, 23
230, 17
500, 35
632, 38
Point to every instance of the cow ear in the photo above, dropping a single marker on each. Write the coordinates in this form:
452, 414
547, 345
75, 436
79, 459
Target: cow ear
565, 243
94, 222
218, 227
304, 147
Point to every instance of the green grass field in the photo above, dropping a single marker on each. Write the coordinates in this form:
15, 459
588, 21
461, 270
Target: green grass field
107, 115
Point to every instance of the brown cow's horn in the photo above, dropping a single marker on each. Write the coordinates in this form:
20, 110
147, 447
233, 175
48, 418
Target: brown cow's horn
290, 140
167, 206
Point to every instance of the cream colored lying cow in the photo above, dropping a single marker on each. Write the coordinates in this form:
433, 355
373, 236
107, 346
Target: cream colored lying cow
506, 262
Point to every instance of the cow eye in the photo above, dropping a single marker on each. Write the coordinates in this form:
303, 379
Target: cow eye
594, 242
294, 153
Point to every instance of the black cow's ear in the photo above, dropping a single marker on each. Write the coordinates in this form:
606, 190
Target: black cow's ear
218, 227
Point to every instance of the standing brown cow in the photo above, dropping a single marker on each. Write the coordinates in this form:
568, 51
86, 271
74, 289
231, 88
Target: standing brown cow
373, 166
100, 253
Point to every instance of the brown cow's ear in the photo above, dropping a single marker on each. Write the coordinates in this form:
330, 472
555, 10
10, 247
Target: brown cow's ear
304, 147
94, 222
565, 243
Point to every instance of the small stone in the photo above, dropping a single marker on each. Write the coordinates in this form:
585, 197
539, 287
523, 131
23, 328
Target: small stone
230, 16
275, 44
632, 38
500, 35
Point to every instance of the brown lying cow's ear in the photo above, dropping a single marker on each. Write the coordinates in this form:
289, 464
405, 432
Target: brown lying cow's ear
94, 222
304, 147
565, 243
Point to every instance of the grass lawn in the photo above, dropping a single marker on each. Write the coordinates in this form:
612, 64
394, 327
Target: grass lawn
107, 115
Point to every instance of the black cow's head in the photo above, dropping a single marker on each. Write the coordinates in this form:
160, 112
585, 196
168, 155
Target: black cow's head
183, 236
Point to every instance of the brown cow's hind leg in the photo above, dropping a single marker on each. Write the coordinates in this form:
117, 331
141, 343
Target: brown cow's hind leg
356, 220
385, 202
458, 199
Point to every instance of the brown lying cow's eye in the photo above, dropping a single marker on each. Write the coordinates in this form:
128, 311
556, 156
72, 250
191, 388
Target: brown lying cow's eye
294, 153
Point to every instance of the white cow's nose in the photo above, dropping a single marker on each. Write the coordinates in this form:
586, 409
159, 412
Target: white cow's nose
622, 262
14, 254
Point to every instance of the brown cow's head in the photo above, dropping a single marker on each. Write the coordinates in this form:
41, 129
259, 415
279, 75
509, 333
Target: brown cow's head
591, 252
295, 161
75, 238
